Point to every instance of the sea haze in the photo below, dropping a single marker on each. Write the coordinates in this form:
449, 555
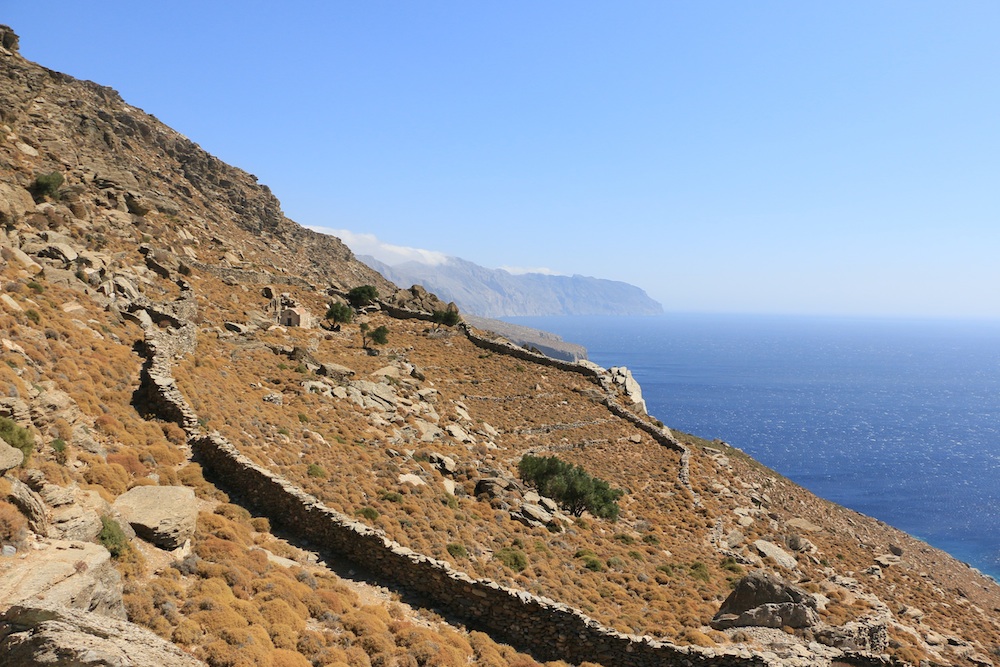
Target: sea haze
897, 419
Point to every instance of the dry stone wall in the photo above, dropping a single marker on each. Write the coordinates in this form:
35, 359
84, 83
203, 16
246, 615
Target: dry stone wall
548, 629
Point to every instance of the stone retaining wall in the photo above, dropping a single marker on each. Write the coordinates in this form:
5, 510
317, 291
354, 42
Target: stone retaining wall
550, 630
547, 629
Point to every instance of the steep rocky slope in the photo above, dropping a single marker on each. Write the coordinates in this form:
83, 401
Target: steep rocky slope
173, 397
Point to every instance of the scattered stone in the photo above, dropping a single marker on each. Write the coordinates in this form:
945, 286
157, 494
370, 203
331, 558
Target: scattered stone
803, 525
410, 478
887, 560
445, 464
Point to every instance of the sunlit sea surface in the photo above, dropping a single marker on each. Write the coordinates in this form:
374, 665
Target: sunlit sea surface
897, 419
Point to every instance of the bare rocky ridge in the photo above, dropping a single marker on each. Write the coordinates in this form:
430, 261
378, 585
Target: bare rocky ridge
158, 255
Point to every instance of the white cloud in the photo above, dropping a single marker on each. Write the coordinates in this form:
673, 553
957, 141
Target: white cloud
387, 253
520, 270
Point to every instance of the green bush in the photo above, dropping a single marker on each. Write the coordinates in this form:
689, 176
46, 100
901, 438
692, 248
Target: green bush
362, 296
729, 563
47, 185
457, 550
316, 470
593, 564
369, 513
512, 558
17, 437
113, 537
59, 448
700, 571
448, 318
571, 486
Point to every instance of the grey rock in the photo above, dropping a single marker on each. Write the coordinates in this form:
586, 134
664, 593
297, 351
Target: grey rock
776, 553
537, 513
493, 487
335, 371
30, 504
10, 457
763, 599
50, 636
237, 327
443, 463
73, 574
163, 515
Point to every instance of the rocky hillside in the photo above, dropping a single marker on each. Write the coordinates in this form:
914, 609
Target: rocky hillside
498, 293
196, 467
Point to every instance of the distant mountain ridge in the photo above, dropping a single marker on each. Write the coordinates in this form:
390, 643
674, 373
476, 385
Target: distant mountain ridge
499, 293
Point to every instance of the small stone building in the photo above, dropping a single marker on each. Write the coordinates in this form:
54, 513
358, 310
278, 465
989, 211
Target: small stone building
295, 317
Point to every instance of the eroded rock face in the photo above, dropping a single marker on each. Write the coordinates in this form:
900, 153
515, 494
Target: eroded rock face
763, 599
163, 515
47, 637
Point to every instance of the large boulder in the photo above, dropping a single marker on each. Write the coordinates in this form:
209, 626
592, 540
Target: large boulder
763, 599
78, 575
47, 636
10, 457
163, 515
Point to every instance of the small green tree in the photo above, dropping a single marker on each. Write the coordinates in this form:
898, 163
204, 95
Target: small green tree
340, 313
379, 335
571, 486
362, 296
448, 318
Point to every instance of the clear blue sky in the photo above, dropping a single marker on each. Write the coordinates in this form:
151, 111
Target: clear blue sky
790, 157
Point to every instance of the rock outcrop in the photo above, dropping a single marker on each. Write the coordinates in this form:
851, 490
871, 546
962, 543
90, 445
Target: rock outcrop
763, 599
50, 636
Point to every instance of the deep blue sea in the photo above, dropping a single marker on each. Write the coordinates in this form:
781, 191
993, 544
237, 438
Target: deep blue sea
897, 419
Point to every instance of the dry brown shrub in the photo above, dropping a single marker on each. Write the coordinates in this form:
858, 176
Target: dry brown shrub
332, 600
365, 621
164, 455
288, 658
356, 657
173, 433
63, 429
696, 637
110, 426
55, 473
111, 477
13, 526
278, 612
187, 633
167, 475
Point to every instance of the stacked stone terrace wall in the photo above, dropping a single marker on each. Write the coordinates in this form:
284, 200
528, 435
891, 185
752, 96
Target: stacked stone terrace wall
548, 629
551, 630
